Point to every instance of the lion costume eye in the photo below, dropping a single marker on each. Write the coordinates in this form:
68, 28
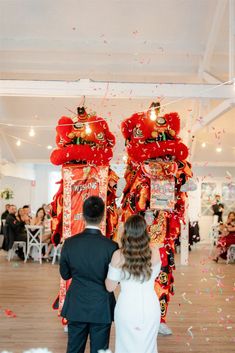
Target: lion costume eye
137, 132
100, 136
161, 121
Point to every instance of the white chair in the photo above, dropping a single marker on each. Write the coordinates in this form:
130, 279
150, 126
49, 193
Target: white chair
34, 240
57, 251
15, 246
214, 235
231, 254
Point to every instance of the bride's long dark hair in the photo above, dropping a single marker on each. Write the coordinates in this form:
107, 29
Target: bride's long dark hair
136, 249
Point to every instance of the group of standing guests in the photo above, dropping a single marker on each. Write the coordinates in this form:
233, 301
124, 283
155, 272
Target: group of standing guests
13, 224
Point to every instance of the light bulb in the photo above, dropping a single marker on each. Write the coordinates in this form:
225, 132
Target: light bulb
18, 142
49, 147
203, 144
153, 115
218, 149
31, 132
124, 158
88, 129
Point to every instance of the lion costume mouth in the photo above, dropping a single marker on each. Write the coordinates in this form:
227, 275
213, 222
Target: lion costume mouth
154, 149
81, 154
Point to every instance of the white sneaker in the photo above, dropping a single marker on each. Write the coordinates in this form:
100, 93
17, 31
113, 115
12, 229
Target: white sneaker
164, 330
66, 328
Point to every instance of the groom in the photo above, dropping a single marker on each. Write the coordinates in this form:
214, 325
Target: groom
88, 307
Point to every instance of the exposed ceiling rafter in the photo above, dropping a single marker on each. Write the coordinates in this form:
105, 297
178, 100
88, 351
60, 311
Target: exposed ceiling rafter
7, 152
209, 78
214, 114
211, 41
95, 89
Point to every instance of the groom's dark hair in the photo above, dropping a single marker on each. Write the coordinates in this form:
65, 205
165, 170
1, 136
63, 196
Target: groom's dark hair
93, 210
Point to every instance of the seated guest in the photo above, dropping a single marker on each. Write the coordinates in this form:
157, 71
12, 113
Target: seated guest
16, 228
4, 216
227, 237
6, 212
20, 214
47, 219
27, 212
41, 220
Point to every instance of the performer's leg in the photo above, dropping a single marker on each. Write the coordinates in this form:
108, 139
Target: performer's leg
77, 336
99, 337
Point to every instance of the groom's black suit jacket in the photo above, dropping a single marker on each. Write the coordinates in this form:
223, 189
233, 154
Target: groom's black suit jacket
85, 258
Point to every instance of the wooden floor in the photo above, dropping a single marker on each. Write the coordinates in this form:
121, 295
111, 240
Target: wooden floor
201, 314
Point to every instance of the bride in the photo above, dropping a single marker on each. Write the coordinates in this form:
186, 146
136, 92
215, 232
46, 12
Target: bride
137, 312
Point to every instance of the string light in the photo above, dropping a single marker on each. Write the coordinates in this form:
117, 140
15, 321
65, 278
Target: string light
31, 132
18, 143
218, 149
88, 129
124, 158
203, 145
49, 147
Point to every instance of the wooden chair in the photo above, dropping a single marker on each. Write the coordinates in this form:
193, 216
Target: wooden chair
34, 241
214, 235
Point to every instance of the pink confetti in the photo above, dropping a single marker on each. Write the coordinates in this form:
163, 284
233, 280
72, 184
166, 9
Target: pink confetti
9, 313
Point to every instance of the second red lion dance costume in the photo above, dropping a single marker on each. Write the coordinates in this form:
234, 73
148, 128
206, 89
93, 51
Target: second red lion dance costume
156, 170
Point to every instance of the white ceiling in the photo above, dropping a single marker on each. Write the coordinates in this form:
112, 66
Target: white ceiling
126, 40
112, 40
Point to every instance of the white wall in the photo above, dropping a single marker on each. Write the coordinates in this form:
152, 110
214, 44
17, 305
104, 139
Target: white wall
31, 184
43, 182
19, 170
22, 188
18, 177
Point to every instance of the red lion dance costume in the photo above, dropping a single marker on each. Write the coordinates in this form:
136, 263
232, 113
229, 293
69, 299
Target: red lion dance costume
156, 170
84, 149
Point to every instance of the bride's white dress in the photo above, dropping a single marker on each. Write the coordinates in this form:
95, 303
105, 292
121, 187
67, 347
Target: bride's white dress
137, 313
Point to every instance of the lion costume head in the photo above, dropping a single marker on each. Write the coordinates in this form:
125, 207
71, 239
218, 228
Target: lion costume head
83, 139
148, 138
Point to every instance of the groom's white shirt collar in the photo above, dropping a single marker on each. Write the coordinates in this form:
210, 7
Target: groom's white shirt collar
91, 227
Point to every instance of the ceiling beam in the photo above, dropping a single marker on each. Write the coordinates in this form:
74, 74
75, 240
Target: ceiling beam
95, 89
214, 114
6, 149
209, 78
206, 164
211, 41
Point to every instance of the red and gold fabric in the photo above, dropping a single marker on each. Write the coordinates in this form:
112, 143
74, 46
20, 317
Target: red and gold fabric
80, 182
111, 206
